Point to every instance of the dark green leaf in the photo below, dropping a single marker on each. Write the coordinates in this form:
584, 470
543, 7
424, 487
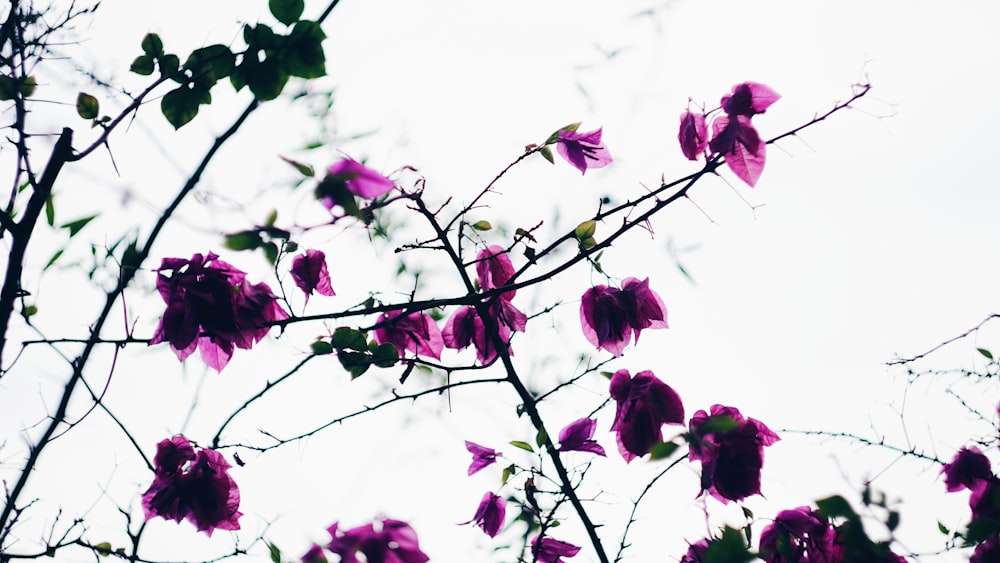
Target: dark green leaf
942, 528
260, 37
348, 338
87, 106
152, 45
662, 450
130, 256
8, 88
892, 522
286, 11
53, 259
210, 64
336, 190
385, 355
50, 211
523, 445
74, 226
169, 65
507, 472
28, 311
143, 65
270, 250
266, 79
180, 105
321, 347
303, 55
986, 353
836, 506
356, 363
730, 548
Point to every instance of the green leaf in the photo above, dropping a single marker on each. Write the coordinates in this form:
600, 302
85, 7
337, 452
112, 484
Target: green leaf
103, 548
385, 355
523, 445
481, 225
27, 86
29, 310
941, 528
143, 65
718, 425
274, 552
348, 338
986, 353
663, 450
243, 240
75, 226
87, 106
303, 54
286, 11
180, 105
336, 190
585, 230
547, 153
302, 168
50, 211
152, 45
541, 436
730, 548
507, 472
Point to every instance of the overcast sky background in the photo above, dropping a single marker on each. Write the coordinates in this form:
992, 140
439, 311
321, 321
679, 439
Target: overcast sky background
870, 235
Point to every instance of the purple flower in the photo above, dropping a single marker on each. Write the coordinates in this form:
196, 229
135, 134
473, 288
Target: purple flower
416, 332
481, 456
466, 327
310, 274
749, 99
192, 485
548, 550
359, 179
987, 552
612, 317
985, 499
583, 150
490, 514
211, 307
800, 535
314, 555
383, 541
731, 451
577, 437
736, 139
494, 269
693, 135
696, 553
645, 404
968, 466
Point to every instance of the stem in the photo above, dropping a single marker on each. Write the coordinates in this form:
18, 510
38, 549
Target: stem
21, 233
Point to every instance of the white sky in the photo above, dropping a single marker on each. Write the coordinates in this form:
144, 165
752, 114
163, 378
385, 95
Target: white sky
875, 236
